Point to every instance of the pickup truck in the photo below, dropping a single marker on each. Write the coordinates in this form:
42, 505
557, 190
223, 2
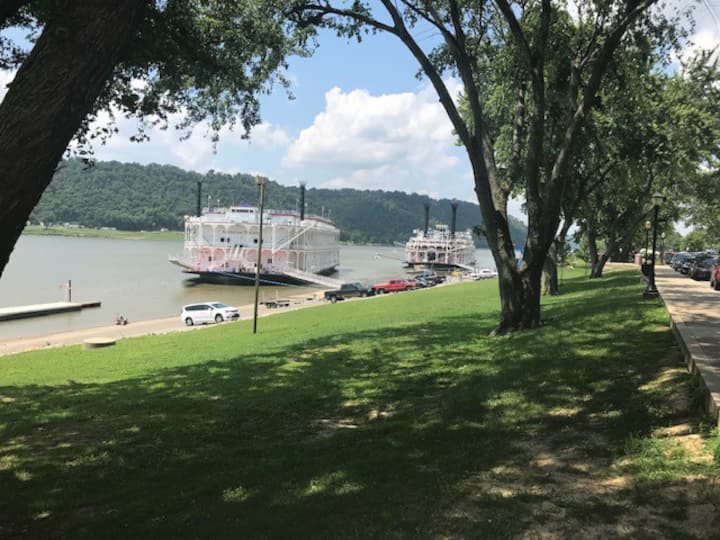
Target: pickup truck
394, 285
348, 290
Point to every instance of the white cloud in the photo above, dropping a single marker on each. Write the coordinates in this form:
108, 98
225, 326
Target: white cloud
703, 40
196, 152
5, 78
269, 136
396, 141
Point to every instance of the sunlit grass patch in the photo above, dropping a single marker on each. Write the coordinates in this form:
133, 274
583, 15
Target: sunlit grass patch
657, 460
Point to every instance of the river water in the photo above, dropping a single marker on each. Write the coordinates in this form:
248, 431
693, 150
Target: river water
134, 278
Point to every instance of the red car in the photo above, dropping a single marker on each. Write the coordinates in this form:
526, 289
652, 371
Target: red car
715, 276
394, 285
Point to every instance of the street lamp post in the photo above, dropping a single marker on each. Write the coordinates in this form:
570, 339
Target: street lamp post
651, 291
260, 182
648, 226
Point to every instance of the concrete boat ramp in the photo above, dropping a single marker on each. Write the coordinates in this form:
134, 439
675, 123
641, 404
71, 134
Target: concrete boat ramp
39, 310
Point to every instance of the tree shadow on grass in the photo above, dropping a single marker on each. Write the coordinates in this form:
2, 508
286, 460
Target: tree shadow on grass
395, 432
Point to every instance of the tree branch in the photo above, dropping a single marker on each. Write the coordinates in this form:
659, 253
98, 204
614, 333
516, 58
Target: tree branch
321, 10
9, 8
516, 30
481, 135
517, 136
603, 57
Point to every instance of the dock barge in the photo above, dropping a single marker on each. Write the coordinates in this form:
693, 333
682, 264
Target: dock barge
40, 310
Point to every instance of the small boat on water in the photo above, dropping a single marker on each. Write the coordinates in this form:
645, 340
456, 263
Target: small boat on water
442, 248
221, 246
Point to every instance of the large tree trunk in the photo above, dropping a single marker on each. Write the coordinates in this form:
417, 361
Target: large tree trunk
51, 95
551, 287
600, 262
592, 247
599, 265
519, 299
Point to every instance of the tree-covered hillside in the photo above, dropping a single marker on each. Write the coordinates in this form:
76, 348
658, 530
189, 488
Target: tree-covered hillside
146, 197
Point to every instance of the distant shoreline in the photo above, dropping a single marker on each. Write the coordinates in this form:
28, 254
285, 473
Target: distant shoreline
83, 232
87, 232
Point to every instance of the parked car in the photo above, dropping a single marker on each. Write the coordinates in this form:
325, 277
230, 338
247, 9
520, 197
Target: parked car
484, 273
679, 259
208, 312
687, 262
715, 275
432, 278
700, 269
394, 285
348, 290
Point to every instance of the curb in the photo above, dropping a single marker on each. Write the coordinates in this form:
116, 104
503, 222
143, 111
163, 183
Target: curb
700, 364
695, 344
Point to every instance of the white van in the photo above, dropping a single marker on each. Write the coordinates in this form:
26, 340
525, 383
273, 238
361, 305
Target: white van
208, 312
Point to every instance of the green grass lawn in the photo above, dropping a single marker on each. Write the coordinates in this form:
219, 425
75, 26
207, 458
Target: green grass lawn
37, 230
395, 417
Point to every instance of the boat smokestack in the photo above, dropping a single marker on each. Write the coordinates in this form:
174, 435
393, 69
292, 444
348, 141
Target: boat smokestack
302, 201
198, 207
427, 219
454, 206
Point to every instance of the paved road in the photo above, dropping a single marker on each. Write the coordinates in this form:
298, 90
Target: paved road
695, 312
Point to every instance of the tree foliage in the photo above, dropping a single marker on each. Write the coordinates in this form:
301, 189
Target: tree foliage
166, 62
657, 132
697, 97
188, 62
510, 142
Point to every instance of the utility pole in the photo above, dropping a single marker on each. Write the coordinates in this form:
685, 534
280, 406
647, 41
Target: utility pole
260, 182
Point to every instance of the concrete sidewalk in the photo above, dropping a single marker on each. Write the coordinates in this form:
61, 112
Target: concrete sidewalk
694, 310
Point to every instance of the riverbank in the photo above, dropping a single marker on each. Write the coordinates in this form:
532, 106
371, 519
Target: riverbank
135, 279
166, 325
82, 232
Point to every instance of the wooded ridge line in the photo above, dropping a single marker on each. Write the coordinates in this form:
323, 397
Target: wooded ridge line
130, 196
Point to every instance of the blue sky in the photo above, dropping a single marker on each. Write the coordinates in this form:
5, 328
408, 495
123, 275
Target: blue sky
360, 119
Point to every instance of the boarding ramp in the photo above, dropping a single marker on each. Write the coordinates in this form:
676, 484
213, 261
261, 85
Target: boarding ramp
323, 281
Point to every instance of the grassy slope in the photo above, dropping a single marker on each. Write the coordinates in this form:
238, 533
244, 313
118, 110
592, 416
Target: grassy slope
394, 417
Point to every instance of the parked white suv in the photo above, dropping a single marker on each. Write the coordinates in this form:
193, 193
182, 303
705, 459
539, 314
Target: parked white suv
484, 273
208, 312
